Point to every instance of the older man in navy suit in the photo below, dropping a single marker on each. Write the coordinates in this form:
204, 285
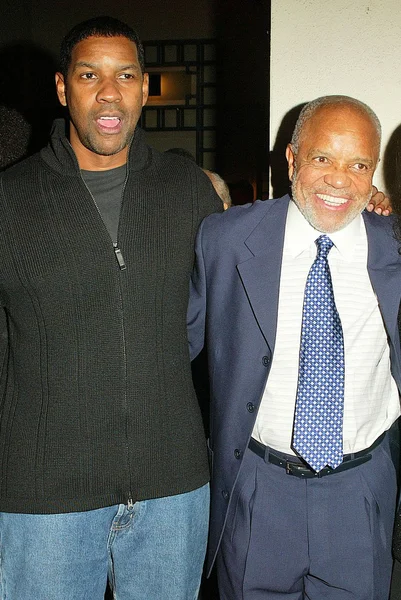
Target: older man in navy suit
299, 297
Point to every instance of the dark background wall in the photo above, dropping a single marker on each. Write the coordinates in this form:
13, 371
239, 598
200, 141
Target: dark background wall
243, 34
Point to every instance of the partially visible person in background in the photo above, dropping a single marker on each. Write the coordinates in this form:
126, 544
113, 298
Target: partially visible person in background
15, 133
379, 203
221, 187
218, 182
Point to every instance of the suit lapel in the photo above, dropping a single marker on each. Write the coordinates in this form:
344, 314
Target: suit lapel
260, 274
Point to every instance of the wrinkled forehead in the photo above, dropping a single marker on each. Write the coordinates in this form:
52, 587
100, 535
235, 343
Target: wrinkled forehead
341, 116
104, 48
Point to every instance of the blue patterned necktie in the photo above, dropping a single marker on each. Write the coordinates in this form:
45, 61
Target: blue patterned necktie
319, 410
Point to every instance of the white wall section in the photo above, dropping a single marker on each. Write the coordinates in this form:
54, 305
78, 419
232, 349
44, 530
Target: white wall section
337, 47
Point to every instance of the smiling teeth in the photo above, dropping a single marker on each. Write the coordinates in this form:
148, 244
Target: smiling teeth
333, 200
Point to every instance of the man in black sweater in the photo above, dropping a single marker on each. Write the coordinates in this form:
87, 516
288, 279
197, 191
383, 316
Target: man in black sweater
103, 466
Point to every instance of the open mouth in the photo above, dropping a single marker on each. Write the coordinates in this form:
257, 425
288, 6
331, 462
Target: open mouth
332, 200
109, 124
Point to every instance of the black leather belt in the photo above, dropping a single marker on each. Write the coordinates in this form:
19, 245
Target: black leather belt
300, 469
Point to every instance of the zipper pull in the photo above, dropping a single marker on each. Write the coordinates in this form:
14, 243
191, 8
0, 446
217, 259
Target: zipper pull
130, 503
119, 257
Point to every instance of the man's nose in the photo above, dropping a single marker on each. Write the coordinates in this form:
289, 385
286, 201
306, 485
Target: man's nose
108, 91
337, 178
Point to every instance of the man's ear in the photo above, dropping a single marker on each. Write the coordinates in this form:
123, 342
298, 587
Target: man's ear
290, 156
60, 88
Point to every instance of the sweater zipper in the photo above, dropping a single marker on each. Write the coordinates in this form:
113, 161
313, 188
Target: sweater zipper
117, 251
119, 257
122, 266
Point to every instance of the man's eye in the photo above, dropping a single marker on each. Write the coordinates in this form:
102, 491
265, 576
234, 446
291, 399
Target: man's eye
88, 75
360, 167
321, 159
126, 76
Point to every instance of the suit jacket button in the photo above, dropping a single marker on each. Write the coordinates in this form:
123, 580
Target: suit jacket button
237, 453
250, 407
265, 361
225, 494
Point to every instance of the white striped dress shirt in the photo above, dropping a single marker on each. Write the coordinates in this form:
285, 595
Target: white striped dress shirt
371, 402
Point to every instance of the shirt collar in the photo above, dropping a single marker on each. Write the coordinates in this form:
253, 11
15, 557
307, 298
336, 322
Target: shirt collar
300, 235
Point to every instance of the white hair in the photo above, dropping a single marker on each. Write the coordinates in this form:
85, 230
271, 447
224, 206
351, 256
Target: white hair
220, 186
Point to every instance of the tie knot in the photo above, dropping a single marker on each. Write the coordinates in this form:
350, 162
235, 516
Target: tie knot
324, 245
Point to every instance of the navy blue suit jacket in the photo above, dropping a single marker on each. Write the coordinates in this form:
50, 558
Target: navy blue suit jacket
234, 296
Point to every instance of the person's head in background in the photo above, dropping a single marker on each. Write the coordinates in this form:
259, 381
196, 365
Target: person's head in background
221, 187
218, 182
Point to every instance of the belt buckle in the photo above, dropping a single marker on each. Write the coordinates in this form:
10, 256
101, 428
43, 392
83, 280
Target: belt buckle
291, 468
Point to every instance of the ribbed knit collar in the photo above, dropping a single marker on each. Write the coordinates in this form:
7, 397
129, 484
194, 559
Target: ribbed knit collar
60, 156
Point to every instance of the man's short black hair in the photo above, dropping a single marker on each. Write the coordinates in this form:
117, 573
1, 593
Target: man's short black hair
98, 27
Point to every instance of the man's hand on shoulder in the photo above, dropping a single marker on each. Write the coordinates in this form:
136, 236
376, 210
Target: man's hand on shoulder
379, 203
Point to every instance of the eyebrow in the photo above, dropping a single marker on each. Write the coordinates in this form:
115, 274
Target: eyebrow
355, 159
88, 65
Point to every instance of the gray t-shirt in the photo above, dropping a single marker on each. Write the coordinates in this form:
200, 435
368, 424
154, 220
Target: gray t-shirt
106, 188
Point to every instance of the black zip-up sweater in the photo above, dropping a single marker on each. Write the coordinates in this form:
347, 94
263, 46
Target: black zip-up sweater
97, 403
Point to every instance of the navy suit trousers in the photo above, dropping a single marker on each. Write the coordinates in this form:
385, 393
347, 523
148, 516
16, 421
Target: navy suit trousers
295, 538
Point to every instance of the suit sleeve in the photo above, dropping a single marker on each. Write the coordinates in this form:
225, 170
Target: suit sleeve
196, 316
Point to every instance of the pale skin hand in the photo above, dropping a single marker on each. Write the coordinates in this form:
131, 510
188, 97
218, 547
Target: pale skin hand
379, 203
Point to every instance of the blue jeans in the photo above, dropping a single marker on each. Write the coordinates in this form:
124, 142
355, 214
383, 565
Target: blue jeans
153, 550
